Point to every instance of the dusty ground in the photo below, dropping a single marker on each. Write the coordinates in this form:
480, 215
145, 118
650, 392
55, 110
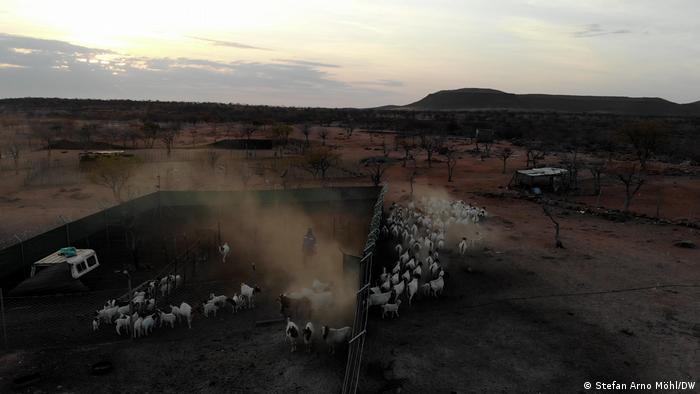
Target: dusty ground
531, 318
616, 304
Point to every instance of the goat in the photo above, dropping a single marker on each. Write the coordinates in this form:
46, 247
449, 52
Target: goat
395, 278
95, 324
384, 275
406, 275
391, 309
248, 292
308, 335
399, 288
167, 318
294, 305
147, 325
209, 308
217, 300
436, 285
412, 289
335, 337
236, 302
185, 312
224, 251
380, 299
292, 331
137, 328
386, 285
124, 321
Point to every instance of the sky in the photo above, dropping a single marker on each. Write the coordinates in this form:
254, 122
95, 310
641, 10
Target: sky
347, 53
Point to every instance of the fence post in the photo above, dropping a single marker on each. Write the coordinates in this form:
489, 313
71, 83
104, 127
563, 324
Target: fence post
2, 312
21, 248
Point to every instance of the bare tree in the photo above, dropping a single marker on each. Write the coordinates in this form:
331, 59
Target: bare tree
451, 156
114, 173
407, 146
50, 130
633, 179
646, 138
168, 136
323, 133
430, 144
505, 154
349, 128
318, 160
376, 168
150, 131
534, 153
557, 239
306, 130
572, 164
597, 168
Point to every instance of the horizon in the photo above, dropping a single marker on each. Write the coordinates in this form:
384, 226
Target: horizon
337, 55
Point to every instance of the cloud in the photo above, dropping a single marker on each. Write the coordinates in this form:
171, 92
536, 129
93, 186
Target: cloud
382, 82
50, 68
307, 63
594, 30
231, 44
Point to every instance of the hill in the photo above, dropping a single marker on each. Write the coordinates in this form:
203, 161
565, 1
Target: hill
490, 99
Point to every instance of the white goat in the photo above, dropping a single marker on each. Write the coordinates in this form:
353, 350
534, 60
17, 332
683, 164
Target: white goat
209, 308
412, 289
391, 309
167, 318
185, 312
137, 328
379, 299
249, 292
292, 332
224, 251
147, 325
436, 285
123, 322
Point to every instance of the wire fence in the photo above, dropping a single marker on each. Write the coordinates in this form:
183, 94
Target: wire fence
359, 326
66, 319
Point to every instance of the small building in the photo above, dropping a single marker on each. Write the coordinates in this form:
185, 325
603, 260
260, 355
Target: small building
484, 135
551, 178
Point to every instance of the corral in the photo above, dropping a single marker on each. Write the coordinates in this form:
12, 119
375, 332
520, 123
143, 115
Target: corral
178, 233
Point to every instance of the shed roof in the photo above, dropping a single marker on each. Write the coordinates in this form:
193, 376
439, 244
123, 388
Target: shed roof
55, 258
544, 171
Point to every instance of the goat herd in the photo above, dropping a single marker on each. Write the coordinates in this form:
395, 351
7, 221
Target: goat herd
139, 316
417, 232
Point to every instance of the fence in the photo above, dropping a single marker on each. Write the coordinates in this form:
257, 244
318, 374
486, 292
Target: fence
359, 326
41, 321
17, 259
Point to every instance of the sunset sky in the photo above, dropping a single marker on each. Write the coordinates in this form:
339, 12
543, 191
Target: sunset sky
347, 53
